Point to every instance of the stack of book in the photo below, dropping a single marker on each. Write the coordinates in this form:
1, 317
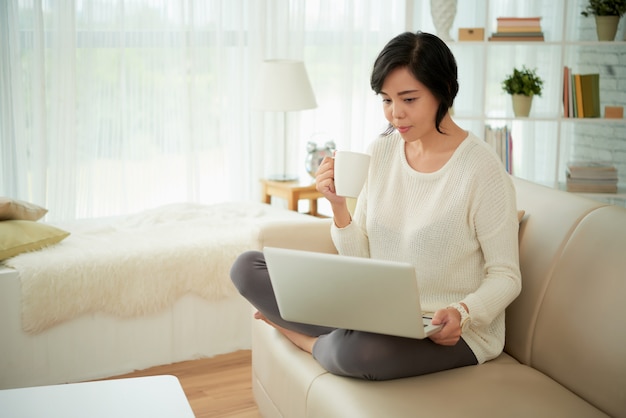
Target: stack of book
501, 141
581, 95
591, 177
518, 29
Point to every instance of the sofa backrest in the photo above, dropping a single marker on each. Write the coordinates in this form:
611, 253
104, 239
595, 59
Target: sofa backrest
551, 218
580, 333
569, 320
313, 235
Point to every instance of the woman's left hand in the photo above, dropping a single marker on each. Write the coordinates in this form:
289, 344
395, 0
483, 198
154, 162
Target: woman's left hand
450, 332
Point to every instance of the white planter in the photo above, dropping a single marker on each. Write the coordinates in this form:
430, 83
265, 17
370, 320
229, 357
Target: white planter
606, 27
521, 105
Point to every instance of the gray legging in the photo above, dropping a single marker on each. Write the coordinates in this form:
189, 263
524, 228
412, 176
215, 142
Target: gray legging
345, 352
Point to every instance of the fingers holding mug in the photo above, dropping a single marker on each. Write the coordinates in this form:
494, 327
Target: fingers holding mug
324, 178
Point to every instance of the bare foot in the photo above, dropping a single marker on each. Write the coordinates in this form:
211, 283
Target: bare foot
302, 341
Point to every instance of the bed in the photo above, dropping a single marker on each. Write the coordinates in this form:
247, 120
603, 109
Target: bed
128, 293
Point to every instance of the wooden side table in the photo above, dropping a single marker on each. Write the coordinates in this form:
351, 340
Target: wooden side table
292, 192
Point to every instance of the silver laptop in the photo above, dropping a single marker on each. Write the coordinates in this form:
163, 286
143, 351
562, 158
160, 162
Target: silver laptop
347, 292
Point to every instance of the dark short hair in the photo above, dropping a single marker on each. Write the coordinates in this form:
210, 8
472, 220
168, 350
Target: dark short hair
429, 60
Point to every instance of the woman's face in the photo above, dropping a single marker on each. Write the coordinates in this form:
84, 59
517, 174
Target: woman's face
408, 105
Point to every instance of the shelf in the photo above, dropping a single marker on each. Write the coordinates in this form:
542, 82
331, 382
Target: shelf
511, 118
618, 199
603, 121
621, 194
594, 43
544, 141
544, 43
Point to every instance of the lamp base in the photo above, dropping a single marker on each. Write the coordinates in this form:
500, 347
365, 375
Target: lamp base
283, 177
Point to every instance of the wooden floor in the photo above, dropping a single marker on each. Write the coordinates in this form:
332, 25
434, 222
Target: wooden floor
220, 386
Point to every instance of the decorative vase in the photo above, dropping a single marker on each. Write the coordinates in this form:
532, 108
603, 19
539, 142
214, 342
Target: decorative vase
606, 27
443, 13
316, 154
521, 105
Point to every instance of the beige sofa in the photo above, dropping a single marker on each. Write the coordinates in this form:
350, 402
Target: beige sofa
565, 353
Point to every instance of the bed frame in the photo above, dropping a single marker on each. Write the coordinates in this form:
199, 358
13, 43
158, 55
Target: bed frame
96, 346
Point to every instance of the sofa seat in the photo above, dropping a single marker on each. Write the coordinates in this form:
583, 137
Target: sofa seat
508, 389
506, 386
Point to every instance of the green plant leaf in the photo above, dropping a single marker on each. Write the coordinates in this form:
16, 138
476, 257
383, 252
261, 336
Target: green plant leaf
605, 8
524, 81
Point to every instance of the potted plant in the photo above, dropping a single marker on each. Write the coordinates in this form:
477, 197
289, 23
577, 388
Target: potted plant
522, 85
607, 14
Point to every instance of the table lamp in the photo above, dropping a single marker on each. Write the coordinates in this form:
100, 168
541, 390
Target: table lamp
283, 86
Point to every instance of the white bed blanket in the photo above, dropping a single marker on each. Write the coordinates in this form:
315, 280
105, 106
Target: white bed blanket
139, 264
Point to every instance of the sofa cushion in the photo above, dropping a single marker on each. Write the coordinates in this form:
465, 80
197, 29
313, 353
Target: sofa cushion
290, 383
282, 372
312, 236
498, 388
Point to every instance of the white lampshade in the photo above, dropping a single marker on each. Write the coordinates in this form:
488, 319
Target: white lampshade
282, 86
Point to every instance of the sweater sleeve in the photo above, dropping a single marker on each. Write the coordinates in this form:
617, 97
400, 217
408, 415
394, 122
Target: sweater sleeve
353, 240
494, 215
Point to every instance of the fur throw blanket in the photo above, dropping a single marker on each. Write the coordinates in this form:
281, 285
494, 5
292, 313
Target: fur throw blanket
139, 264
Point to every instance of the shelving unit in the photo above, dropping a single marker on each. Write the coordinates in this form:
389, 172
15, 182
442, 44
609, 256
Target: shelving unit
544, 142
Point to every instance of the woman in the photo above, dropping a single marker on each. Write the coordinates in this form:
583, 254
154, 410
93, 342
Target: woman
437, 197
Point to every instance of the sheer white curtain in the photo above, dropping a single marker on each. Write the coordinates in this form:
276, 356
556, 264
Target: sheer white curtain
343, 39
114, 106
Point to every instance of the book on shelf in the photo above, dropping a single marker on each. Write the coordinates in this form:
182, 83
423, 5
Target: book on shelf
517, 34
570, 93
518, 21
591, 170
495, 38
573, 105
566, 92
590, 86
581, 94
518, 29
516, 38
582, 186
500, 139
591, 177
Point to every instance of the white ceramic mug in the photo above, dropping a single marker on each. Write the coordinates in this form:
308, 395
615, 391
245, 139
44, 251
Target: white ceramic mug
350, 172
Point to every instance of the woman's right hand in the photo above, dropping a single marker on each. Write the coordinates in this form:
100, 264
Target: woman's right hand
325, 181
325, 184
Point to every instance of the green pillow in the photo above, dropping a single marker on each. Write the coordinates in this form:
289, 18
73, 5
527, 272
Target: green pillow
20, 236
13, 209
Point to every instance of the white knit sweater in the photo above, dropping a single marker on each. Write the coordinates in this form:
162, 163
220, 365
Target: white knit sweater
458, 226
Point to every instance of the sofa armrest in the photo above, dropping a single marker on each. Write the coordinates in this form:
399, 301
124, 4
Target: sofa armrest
299, 235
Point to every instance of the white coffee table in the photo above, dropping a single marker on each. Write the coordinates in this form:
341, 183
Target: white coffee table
139, 397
